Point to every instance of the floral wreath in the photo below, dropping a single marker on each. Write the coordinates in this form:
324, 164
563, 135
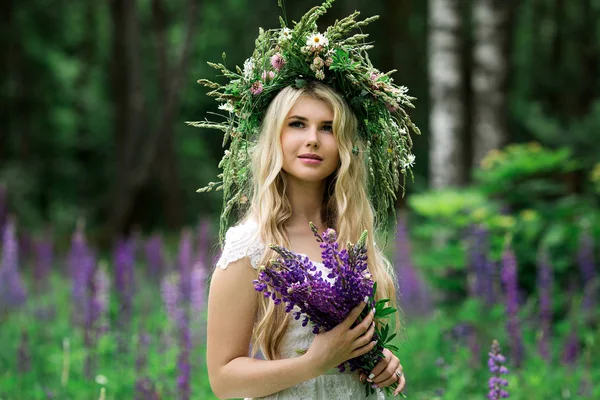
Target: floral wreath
295, 56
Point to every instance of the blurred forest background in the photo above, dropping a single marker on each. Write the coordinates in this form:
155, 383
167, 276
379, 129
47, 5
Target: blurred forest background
95, 95
93, 102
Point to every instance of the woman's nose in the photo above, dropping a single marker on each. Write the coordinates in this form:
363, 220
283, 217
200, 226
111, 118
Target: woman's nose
313, 137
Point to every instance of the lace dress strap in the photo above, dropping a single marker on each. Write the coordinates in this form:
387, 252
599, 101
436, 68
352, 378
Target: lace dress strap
241, 241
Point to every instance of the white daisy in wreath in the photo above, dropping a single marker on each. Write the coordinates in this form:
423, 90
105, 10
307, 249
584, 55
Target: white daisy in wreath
317, 41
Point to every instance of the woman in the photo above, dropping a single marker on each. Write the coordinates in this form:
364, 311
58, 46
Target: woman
304, 171
302, 152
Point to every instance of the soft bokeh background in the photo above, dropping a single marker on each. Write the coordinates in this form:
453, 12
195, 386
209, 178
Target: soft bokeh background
106, 247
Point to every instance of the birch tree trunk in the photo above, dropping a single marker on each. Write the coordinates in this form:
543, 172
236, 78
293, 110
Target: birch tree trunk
489, 77
447, 123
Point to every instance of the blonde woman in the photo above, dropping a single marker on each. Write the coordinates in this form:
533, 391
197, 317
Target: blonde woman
303, 170
316, 134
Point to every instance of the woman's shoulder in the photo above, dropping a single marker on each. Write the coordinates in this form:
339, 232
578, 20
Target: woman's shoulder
242, 240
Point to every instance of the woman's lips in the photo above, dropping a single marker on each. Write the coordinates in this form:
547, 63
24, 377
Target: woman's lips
310, 161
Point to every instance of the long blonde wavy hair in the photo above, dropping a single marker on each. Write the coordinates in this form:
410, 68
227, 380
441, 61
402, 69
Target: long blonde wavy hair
346, 206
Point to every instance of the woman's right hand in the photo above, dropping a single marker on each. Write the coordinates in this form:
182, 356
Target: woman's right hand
331, 348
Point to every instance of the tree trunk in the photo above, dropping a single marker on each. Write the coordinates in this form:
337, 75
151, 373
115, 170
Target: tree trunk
489, 77
128, 106
446, 148
141, 151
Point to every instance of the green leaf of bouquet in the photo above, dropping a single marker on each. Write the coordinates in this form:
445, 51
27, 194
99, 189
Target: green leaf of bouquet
385, 312
391, 337
383, 301
392, 347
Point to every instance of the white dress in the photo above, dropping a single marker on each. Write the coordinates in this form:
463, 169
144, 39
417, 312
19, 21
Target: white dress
244, 241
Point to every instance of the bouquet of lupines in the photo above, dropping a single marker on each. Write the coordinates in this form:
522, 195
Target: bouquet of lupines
325, 301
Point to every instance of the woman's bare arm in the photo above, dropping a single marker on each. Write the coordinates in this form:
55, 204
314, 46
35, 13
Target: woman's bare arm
232, 308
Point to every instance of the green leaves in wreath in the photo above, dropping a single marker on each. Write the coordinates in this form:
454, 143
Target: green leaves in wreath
342, 61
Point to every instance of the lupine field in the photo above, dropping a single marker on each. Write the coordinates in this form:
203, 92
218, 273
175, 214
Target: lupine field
486, 314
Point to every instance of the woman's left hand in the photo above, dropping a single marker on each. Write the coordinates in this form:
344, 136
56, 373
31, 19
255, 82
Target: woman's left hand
383, 375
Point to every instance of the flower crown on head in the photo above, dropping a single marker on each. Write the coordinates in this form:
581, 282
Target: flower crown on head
294, 57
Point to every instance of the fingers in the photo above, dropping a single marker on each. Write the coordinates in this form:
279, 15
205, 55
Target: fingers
381, 365
354, 314
365, 338
401, 385
387, 376
363, 326
362, 350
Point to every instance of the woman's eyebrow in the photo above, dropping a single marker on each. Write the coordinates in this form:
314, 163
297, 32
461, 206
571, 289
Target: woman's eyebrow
306, 119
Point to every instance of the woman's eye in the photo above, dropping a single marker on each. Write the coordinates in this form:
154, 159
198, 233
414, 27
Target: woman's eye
328, 128
296, 124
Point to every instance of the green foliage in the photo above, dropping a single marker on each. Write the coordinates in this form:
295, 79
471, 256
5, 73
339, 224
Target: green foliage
525, 191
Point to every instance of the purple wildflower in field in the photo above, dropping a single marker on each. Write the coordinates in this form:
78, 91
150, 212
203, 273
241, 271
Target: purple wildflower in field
413, 291
155, 258
175, 306
570, 351
12, 289
510, 281
81, 266
91, 317
171, 298
184, 261
142, 351
198, 289
325, 297
183, 360
545, 282
497, 384
482, 267
100, 303
124, 264
146, 390
587, 266
44, 257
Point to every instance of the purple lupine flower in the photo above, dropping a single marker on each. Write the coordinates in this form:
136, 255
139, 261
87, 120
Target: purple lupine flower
412, 289
481, 265
497, 384
101, 298
124, 261
184, 261
12, 289
81, 266
145, 390
585, 256
155, 256
24, 354
324, 298
570, 351
171, 298
44, 257
183, 360
545, 282
90, 319
142, 351
198, 289
510, 280
173, 301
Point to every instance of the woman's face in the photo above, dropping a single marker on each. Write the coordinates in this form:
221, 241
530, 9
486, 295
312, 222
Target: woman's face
310, 151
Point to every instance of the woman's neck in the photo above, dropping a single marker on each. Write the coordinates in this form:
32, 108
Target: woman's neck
306, 200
